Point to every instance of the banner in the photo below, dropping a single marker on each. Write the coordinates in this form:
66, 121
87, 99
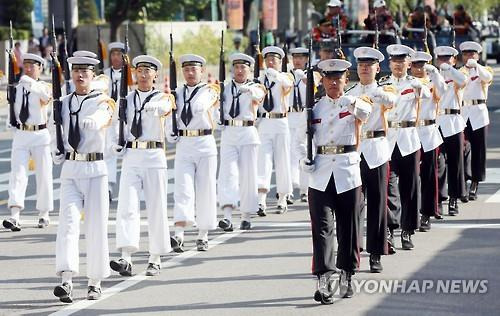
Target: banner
235, 14
270, 14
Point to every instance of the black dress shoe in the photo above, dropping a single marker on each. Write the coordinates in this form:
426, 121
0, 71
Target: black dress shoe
439, 213
452, 207
406, 242
346, 290
226, 225
262, 211
153, 269
12, 224
176, 243
473, 190
390, 241
63, 291
42, 223
93, 293
289, 199
121, 266
245, 225
281, 209
464, 199
303, 198
201, 245
375, 264
425, 223
324, 293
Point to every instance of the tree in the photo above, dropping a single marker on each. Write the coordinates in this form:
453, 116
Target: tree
87, 11
19, 11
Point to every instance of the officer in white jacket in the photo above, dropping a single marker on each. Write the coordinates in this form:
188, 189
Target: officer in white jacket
239, 144
85, 115
195, 197
31, 138
375, 154
451, 125
429, 135
114, 73
297, 117
403, 140
475, 111
144, 169
335, 181
274, 132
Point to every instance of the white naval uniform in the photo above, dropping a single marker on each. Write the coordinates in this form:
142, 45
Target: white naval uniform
429, 135
196, 161
476, 89
32, 143
451, 124
297, 119
238, 150
275, 138
144, 170
112, 132
84, 187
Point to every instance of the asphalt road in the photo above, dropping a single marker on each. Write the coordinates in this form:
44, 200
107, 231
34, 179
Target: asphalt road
266, 271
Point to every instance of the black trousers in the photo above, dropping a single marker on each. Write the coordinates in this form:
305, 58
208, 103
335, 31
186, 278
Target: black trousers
429, 182
393, 200
375, 193
442, 189
477, 141
453, 148
407, 171
324, 208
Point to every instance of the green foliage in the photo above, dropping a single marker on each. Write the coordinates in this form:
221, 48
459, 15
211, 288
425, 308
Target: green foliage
19, 11
17, 34
87, 11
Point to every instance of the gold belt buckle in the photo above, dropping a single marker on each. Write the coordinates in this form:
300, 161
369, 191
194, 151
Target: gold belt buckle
191, 133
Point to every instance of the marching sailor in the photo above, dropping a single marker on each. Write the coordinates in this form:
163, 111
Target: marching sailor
144, 168
274, 132
31, 138
85, 115
375, 154
451, 125
239, 144
335, 180
429, 135
196, 154
475, 111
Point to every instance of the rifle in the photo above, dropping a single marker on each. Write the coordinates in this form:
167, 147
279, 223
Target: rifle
426, 46
101, 51
222, 77
259, 60
56, 94
284, 64
453, 34
376, 38
64, 59
173, 84
13, 73
338, 50
125, 81
309, 104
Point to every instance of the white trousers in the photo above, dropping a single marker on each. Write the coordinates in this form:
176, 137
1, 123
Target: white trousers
18, 180
154, 182
238, 177
195, 190
300, 179
111, 162
90, 195
277, 147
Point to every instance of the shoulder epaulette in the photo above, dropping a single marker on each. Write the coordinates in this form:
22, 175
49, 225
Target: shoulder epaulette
383, 81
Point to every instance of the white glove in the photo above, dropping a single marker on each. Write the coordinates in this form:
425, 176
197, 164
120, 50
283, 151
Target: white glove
26, 81
307, 166
445, 66
272, 74
380, 97
245, 89
416, 84
89, 124
299, 74
58, 158
346, 100
118, 150
172, 139
430, 68
151, 107
472, 63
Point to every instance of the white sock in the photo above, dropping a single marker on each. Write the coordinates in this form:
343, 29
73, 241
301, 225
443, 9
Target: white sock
94, 282
203, 234
127, 256
179, 232
156, 259
282, 198
14, 212
228, 213
44, 215
245, 217
67, 277
262, 198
